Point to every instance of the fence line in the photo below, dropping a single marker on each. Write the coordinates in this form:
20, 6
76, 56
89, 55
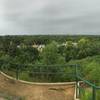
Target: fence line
57, 68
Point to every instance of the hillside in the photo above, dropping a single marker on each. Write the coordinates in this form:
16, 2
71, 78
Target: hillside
89, 68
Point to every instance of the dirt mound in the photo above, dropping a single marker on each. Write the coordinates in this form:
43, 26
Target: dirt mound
36, 92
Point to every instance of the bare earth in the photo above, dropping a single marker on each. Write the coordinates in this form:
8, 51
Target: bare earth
36, 92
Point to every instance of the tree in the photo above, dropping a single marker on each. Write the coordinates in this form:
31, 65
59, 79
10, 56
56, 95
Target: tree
28, 55
61, 50
50, 54
93, 70
84, 48
71, 51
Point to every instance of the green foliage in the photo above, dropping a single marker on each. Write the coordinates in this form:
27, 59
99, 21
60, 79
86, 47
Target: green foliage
50, 54
93, 70
19, 50
86, 96
71, 51
98, 94
28, 55
89, 68
84, 50
61, 50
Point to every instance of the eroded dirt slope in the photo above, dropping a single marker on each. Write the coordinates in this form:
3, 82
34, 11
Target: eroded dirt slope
36, 92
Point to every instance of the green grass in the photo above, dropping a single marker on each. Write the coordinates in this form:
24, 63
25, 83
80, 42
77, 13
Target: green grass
87, 95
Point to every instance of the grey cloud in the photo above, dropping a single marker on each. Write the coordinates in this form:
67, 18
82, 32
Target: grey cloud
49, 16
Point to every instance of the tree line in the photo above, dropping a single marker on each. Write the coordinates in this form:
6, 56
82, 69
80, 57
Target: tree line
57, 50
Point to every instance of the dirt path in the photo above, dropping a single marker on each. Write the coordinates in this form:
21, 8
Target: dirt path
36, 92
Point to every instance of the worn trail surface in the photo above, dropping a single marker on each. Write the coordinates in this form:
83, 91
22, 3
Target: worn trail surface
35, 91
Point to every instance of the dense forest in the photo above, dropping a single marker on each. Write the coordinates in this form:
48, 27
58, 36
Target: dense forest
23, 52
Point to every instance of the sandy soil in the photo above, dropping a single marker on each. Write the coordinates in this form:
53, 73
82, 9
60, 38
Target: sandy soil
36, 92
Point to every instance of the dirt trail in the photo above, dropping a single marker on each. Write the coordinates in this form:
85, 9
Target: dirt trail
36, 92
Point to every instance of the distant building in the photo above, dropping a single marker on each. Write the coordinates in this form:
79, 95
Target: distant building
39, 47
65, 44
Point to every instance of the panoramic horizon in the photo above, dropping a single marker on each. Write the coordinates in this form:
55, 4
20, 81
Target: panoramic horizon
49, 50
50, 34
48, 17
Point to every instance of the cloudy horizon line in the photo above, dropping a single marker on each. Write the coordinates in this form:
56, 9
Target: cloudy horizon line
69, 34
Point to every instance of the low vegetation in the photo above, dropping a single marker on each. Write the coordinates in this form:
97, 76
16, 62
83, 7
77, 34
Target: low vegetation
21, 53
23, 50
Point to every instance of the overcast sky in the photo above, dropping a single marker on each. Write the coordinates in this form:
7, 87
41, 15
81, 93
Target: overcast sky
49, 17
